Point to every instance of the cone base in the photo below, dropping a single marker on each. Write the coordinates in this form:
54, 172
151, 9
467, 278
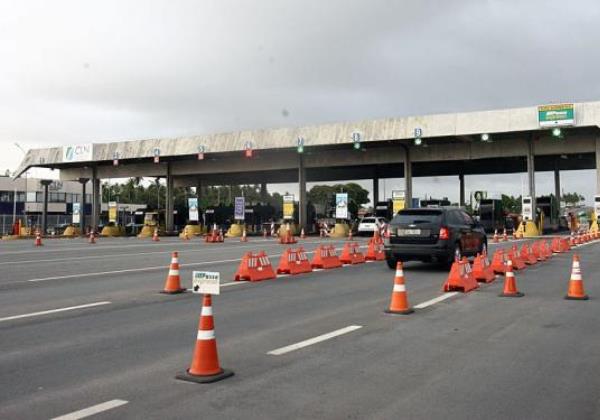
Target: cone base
514, 295
404, 312
201, 379
584, 297
172, 292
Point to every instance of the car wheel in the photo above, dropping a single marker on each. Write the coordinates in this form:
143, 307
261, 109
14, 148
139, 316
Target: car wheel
392, 263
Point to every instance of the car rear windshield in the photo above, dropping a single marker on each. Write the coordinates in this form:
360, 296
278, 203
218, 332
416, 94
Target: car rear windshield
415, 217
368, 220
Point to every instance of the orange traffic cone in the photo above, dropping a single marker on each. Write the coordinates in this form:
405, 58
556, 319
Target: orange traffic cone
302, 235
496, 236
399, 302
155, 237
92, 239
510, 284
244, 238
350, 235
173, 282
38, 239
576, 291
482, 270
205, 366
504, 235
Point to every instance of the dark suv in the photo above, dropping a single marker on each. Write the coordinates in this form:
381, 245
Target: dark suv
433, 234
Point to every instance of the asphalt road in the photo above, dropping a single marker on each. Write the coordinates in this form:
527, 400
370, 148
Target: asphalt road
470, 355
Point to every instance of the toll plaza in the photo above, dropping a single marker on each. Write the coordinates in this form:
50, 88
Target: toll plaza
553, 137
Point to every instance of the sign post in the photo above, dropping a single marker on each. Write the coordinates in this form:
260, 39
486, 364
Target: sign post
239, 212
341, 206
206, 282
193, 209
288, 207
398, 201
76, 213
112, 211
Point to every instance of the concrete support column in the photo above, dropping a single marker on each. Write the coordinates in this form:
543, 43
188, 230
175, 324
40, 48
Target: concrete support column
375, 190
96, 200
557, 182
83, 182
46, 183
169, 202
263, 192
199, 191
302, 216
598, 165
461, 182
531, 171
407, 177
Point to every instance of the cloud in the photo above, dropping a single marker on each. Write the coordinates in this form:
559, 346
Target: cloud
114, 70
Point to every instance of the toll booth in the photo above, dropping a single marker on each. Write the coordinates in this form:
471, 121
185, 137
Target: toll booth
548, 209
384, 209
491, 214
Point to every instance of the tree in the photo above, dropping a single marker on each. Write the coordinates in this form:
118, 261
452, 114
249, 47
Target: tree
572, 198
511, 204
324, 196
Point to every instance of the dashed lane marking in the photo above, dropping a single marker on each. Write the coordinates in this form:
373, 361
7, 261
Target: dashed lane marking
136, 270
433, 301
314, 340
90, 411
53, 311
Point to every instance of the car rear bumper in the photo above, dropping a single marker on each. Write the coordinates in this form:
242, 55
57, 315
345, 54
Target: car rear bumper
406, 252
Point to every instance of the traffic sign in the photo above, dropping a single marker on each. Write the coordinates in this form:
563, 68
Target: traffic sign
206, 282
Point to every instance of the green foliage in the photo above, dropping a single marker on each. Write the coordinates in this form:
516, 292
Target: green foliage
324, 195
511, 204
572, 198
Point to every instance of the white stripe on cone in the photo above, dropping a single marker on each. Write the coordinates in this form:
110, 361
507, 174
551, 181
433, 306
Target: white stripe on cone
173, 272
206, 335
399, 273
207, 311
399, 288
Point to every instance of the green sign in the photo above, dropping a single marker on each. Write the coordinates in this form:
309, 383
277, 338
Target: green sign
556, 115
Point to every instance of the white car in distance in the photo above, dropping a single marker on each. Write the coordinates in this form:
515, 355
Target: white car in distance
368, 225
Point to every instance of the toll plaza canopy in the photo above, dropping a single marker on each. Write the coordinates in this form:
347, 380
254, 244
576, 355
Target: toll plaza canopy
543, 138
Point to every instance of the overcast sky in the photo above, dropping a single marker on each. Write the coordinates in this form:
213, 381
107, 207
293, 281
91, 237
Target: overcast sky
95, 71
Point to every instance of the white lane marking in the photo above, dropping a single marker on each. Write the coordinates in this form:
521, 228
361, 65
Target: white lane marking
435, 300
204, 249
90, 411
314, 340
129, 270
135, 270
53, 311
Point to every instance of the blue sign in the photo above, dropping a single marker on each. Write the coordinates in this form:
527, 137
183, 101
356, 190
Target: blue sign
239, 208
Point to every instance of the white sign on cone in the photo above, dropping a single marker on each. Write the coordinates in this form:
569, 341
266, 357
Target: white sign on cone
206, 282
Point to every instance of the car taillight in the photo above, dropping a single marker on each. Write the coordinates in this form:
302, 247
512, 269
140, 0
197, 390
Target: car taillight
444, 233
